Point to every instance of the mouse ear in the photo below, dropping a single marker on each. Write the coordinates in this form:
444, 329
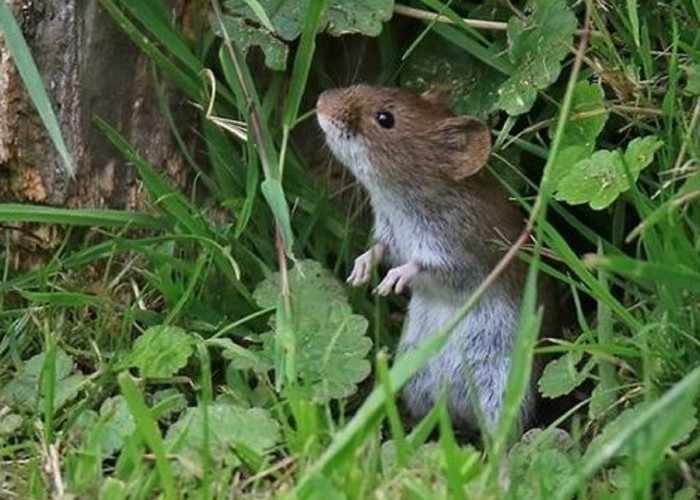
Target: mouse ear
470, 143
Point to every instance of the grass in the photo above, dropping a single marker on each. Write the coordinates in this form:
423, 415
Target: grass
162, 354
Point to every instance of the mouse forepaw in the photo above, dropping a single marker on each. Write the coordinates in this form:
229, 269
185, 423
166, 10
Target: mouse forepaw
397, 279
362, 270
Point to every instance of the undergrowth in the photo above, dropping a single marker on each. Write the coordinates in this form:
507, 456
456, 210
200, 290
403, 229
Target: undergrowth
179, 353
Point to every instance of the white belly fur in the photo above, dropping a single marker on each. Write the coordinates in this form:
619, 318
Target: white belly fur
475, 359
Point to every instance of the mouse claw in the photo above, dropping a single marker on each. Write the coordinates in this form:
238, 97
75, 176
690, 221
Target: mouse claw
397, 279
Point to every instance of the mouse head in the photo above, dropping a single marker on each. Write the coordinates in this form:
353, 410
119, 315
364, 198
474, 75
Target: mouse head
385, 133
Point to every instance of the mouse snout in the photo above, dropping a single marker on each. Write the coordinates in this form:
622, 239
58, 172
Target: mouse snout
326, 100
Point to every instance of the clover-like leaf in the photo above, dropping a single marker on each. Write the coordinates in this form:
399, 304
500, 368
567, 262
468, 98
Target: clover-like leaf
536, 47
331, 345
600, 179
567, 158
231, 429
23, 391
597, 180
161, 351
561, 376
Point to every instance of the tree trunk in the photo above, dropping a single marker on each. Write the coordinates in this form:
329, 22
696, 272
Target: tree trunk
90, 68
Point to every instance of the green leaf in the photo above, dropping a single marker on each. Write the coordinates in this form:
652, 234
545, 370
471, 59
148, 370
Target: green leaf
148, 430
358, 16
9, 424
15, 212
241, 358
561, 376
247, 26
260, 14
63, 299
161, 351
536, 47
473, 85
22, 392
640, 153
231, 429
600, 179
331, 345
115, 425
274, 195
286, 16
693, 79
539, 462
599, 403
245, 36
587, 98
683, 425
567, 158
113, 489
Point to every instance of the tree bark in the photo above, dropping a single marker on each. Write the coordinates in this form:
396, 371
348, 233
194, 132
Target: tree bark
90, 68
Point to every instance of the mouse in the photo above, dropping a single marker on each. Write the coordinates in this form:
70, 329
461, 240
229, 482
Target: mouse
442, 222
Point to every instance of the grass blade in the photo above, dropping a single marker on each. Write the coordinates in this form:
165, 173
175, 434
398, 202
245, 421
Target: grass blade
684, 390
10, 212
148, 430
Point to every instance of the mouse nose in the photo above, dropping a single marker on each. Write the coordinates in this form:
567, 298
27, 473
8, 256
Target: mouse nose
325, 101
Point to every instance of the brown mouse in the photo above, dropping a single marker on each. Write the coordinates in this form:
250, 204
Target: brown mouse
438, 219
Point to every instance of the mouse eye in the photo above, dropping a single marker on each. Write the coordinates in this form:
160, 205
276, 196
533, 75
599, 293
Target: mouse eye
384, 119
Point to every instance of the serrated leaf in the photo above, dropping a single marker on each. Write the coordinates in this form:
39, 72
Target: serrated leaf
287, 18
230, 429
536, 47
342, 16
22, 392
161, 351
245, 36
539, 462
600, 179
561, 376
331, 345
358, 16
682, 425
